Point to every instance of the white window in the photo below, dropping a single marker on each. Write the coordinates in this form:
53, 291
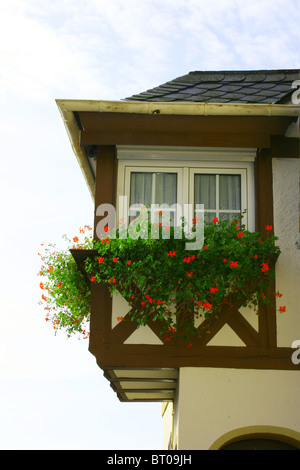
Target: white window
223, 192
222, 180
144, 184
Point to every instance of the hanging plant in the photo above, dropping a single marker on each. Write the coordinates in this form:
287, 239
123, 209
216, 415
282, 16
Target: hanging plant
159, 278
66, 297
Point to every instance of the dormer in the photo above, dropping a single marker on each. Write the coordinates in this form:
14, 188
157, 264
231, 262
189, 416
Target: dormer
222, 139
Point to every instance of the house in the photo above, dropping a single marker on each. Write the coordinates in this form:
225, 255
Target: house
204, 134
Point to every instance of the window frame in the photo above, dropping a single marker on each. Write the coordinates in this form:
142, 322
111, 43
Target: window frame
186, 163
146, 168
221, 171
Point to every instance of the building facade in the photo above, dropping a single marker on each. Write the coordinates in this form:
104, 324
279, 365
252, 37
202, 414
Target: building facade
230, 141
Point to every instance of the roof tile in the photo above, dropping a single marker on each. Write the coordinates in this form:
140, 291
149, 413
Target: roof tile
262, 86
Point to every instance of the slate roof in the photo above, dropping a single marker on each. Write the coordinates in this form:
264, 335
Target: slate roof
262, 86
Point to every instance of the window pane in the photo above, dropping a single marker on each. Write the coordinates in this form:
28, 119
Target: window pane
229, 216
230, 192
166, 188
140, 188
210, 216
205, 191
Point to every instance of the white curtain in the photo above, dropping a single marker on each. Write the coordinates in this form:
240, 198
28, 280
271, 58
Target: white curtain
140, 188
230, 192
155, 188
228, 204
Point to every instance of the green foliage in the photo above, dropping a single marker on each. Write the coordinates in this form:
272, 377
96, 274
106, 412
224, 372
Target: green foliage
159, 278
66, 295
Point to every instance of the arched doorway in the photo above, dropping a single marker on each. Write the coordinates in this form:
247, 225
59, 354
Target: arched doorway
259, 438
259, 444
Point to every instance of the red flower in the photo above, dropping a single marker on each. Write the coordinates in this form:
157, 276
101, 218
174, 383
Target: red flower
277, 294
59, 284
101, 260
189, 258
129, 263
240, 234
171, 253
75, 239
143, 303
214, 289
269, 227
115, 260
224, 260
132, 297
195, 220
207, 306
158, 224
205, 247
189, 274
264, 267
106, 229
215, 220
41, 285
234, 264
189, 346
159, 213
44, 298
93, 279
282, 309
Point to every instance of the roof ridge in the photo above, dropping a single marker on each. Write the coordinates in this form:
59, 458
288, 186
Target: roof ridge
243, 71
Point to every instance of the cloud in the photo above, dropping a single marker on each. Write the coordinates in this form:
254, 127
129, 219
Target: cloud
40, 59
95, 49
237, 34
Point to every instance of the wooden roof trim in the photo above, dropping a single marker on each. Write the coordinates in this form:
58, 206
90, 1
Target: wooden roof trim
180, 108
72, 129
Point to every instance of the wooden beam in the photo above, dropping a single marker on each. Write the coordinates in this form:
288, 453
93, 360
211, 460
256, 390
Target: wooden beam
130, 122
140, 129
106, 179
283, 147
101, 306
100, 322
169, 138
136, 356
267, 319
264, 213
244, 330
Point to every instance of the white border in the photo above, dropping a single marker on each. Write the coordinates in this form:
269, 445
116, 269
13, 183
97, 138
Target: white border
140, 152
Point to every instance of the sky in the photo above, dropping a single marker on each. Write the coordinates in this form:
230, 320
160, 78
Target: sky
52, 393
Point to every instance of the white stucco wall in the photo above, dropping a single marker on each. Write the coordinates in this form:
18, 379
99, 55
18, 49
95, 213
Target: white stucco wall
213, 402
286, 225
